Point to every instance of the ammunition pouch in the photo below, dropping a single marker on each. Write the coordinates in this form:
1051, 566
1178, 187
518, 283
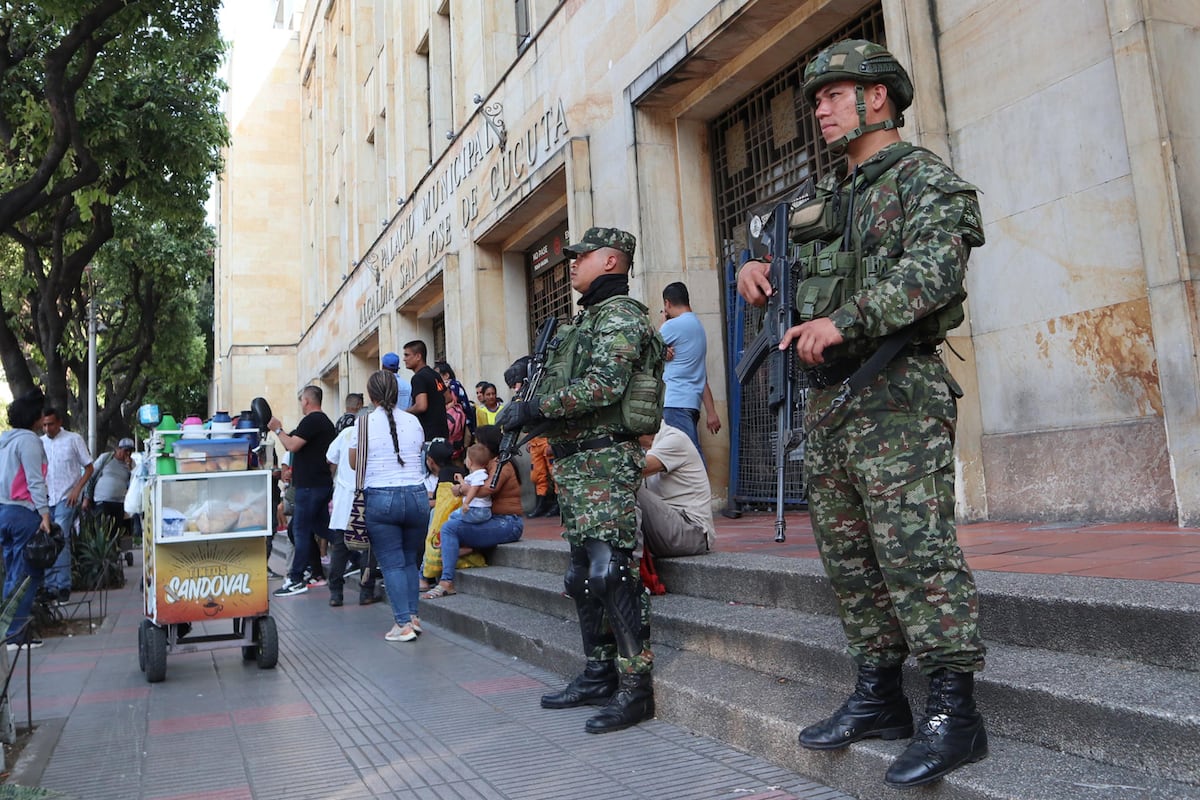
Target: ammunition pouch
817, 219
639, 411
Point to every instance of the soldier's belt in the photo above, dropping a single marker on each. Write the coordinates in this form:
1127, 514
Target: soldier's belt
834, 373
567, 449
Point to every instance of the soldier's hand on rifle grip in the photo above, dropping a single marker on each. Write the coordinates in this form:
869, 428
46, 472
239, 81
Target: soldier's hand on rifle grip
754, 282
811, 339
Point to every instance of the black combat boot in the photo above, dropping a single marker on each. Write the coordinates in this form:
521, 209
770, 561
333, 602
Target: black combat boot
633, 702
592, 687
551, 509
539, 508
950, 735
877, 708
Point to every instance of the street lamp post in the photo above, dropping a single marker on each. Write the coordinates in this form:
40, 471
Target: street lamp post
91, 389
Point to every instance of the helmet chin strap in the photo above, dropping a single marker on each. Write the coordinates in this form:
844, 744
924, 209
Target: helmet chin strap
838, 146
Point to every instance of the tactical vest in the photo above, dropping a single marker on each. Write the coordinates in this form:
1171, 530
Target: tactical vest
639, 411
832, 270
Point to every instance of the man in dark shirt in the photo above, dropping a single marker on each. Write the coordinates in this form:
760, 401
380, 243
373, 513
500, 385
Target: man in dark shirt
312, 480
428, 393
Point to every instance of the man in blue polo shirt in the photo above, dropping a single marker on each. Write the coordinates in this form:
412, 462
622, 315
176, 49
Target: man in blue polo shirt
685, 373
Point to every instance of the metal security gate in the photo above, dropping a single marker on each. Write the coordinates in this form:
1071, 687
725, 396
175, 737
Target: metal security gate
763, 147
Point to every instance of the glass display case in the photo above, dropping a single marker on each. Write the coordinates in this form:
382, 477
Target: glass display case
211, 505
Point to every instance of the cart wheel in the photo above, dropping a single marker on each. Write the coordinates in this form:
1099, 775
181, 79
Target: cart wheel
156, 653
268, 643
142, 643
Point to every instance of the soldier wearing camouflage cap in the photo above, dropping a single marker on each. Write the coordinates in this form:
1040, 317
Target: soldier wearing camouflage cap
598, 467
880, 469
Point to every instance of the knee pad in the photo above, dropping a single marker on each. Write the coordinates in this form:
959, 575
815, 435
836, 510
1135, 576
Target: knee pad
575, 579
610, 570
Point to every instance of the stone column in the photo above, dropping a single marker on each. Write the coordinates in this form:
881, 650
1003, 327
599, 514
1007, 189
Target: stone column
1156, 55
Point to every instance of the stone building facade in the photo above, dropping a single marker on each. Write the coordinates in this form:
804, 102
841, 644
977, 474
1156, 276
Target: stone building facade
404, 170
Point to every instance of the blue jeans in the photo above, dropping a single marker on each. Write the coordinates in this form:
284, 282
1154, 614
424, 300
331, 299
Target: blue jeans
58, 577
397, 519
309, 518
457, 532
17, 525
476, 515
687, 420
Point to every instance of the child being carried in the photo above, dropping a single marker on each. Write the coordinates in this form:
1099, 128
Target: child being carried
476, 508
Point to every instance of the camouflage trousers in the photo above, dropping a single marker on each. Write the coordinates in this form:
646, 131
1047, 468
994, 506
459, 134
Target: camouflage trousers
880, 483
596, 495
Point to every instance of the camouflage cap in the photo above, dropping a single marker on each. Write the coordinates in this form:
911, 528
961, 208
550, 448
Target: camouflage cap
595, 238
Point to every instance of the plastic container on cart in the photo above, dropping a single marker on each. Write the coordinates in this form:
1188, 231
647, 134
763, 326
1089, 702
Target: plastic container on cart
168, 424
211, 455
164, 465
174, 523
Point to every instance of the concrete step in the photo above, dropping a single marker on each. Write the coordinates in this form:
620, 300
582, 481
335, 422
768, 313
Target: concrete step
1079, 704
1146, 621
762, 713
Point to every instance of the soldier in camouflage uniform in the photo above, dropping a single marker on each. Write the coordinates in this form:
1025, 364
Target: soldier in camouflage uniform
880, 471
598, 466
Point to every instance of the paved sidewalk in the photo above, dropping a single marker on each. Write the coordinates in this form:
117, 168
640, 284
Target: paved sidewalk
347, 715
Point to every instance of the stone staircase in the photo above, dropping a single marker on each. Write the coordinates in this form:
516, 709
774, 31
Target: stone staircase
1092, 690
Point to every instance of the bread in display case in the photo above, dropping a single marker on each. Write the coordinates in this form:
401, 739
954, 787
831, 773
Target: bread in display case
215, 505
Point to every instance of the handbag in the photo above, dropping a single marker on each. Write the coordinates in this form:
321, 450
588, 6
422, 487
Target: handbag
43, 547
356, 533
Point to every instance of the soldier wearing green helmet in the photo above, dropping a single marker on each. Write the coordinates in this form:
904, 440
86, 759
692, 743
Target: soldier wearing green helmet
886, 269
862, 63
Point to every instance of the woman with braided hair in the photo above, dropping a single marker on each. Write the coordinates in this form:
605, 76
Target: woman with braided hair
397, 507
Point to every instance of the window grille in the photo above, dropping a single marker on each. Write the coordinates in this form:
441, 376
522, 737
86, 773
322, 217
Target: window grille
765, 146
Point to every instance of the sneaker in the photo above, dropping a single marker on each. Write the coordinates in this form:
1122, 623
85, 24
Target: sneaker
32, 644
273, 574
288, 589
64, 595
350, 573
318, 583
401, 633
416, 625
324, 561
335, 600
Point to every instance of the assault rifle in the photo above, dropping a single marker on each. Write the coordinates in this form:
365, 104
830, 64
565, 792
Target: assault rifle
511, 441
768, 236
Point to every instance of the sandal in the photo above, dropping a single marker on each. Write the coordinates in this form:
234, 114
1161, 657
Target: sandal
438, 591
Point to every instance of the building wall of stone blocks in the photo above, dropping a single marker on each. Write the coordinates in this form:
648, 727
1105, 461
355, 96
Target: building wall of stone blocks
1075, 120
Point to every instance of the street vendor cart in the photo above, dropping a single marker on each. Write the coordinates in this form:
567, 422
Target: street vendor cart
206, 522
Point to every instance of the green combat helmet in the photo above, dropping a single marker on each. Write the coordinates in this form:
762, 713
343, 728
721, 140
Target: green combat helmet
864, 63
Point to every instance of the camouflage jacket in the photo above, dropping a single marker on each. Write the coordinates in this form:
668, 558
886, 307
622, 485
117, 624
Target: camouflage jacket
927, 219
610, 339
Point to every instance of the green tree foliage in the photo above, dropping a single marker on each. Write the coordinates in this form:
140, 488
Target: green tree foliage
109, 132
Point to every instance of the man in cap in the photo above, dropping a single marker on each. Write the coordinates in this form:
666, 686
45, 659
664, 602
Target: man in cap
880, 471
598, 467
391, 362
105, 490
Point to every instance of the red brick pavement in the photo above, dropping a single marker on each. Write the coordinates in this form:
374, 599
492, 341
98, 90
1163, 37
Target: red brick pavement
1156, 551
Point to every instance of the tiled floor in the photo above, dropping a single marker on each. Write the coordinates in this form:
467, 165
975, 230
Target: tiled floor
1158, 551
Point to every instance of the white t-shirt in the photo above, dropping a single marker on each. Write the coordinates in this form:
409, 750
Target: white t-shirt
382, 467
343, 480
478, 478
684, 486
